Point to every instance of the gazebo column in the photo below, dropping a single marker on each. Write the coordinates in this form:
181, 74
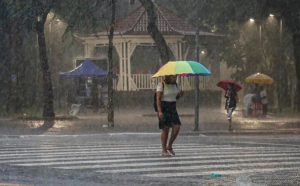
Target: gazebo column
125, 50
119, 49
131, 48
89, 49
176, 49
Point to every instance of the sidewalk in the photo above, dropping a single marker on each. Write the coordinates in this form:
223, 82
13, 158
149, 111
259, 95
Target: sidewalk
212, 121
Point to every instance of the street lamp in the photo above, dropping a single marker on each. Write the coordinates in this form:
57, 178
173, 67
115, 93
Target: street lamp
280, 66
196, 128
258, 23
253, 21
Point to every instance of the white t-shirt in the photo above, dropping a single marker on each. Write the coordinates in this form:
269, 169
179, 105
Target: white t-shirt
170, 91
263, 95
247, 101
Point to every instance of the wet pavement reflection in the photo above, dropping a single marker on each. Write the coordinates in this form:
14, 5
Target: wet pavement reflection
145, 120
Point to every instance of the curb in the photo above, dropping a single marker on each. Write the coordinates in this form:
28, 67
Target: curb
245, 132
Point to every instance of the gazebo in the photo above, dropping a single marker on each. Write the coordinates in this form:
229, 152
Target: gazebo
131, 32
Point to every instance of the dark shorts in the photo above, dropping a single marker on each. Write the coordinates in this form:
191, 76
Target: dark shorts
170, 116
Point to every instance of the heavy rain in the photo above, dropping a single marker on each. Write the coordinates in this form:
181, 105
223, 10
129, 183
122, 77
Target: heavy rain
148, 92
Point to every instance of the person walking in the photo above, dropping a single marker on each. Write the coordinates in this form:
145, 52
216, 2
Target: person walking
264, 101
230, 103
167, 94
248, 104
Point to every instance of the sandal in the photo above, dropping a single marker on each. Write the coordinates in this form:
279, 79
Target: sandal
171, 152
165, 154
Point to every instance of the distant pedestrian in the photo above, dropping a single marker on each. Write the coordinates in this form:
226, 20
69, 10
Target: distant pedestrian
167, 94
257, 94
248, 102
264, 101
230, 103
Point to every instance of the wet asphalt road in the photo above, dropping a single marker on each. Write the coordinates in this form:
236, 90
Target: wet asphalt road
134, 159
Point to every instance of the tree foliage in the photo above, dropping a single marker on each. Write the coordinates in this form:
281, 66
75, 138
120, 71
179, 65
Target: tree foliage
244, 49
289, 12
21, 76
164, 50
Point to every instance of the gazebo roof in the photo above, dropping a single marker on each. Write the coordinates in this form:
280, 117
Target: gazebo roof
168, 23
137, 22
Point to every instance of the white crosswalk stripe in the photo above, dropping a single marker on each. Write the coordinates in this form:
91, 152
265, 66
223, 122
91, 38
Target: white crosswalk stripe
190, 159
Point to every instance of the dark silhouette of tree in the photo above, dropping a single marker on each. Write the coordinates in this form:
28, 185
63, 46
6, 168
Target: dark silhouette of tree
289, 12
110, 105
164, 50
41, 16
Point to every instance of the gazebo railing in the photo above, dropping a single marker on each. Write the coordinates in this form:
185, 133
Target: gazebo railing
145, 82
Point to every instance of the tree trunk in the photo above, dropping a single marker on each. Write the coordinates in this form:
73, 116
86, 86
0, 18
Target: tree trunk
9, 98
48, 110
296, 42
164, 50
110, 106
18, 65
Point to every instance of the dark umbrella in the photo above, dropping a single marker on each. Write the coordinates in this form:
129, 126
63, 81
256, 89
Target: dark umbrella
224, 84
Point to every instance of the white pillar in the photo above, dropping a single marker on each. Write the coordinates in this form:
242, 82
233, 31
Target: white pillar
125, 50
179, 50
173, 48
125, 63
131, 48
187, 49
89, 50
120, 85
176, 49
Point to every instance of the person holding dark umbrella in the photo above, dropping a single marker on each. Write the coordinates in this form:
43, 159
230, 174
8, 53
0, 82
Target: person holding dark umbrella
231, 88
230, 103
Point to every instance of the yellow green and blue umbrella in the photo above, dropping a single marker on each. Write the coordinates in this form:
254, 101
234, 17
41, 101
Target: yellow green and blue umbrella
182, 68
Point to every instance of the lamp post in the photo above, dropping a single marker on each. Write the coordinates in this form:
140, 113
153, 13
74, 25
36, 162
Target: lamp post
259, 28
258, 23
281, 69
197, 83
280, 66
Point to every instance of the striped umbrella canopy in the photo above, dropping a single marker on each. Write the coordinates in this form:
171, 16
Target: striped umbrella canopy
182, 68
259, 78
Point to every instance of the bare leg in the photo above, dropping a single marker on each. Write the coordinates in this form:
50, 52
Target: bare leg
164, 139
229, 117
174, 134
230, 126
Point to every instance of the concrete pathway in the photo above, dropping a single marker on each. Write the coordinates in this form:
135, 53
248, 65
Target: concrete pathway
211, 121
